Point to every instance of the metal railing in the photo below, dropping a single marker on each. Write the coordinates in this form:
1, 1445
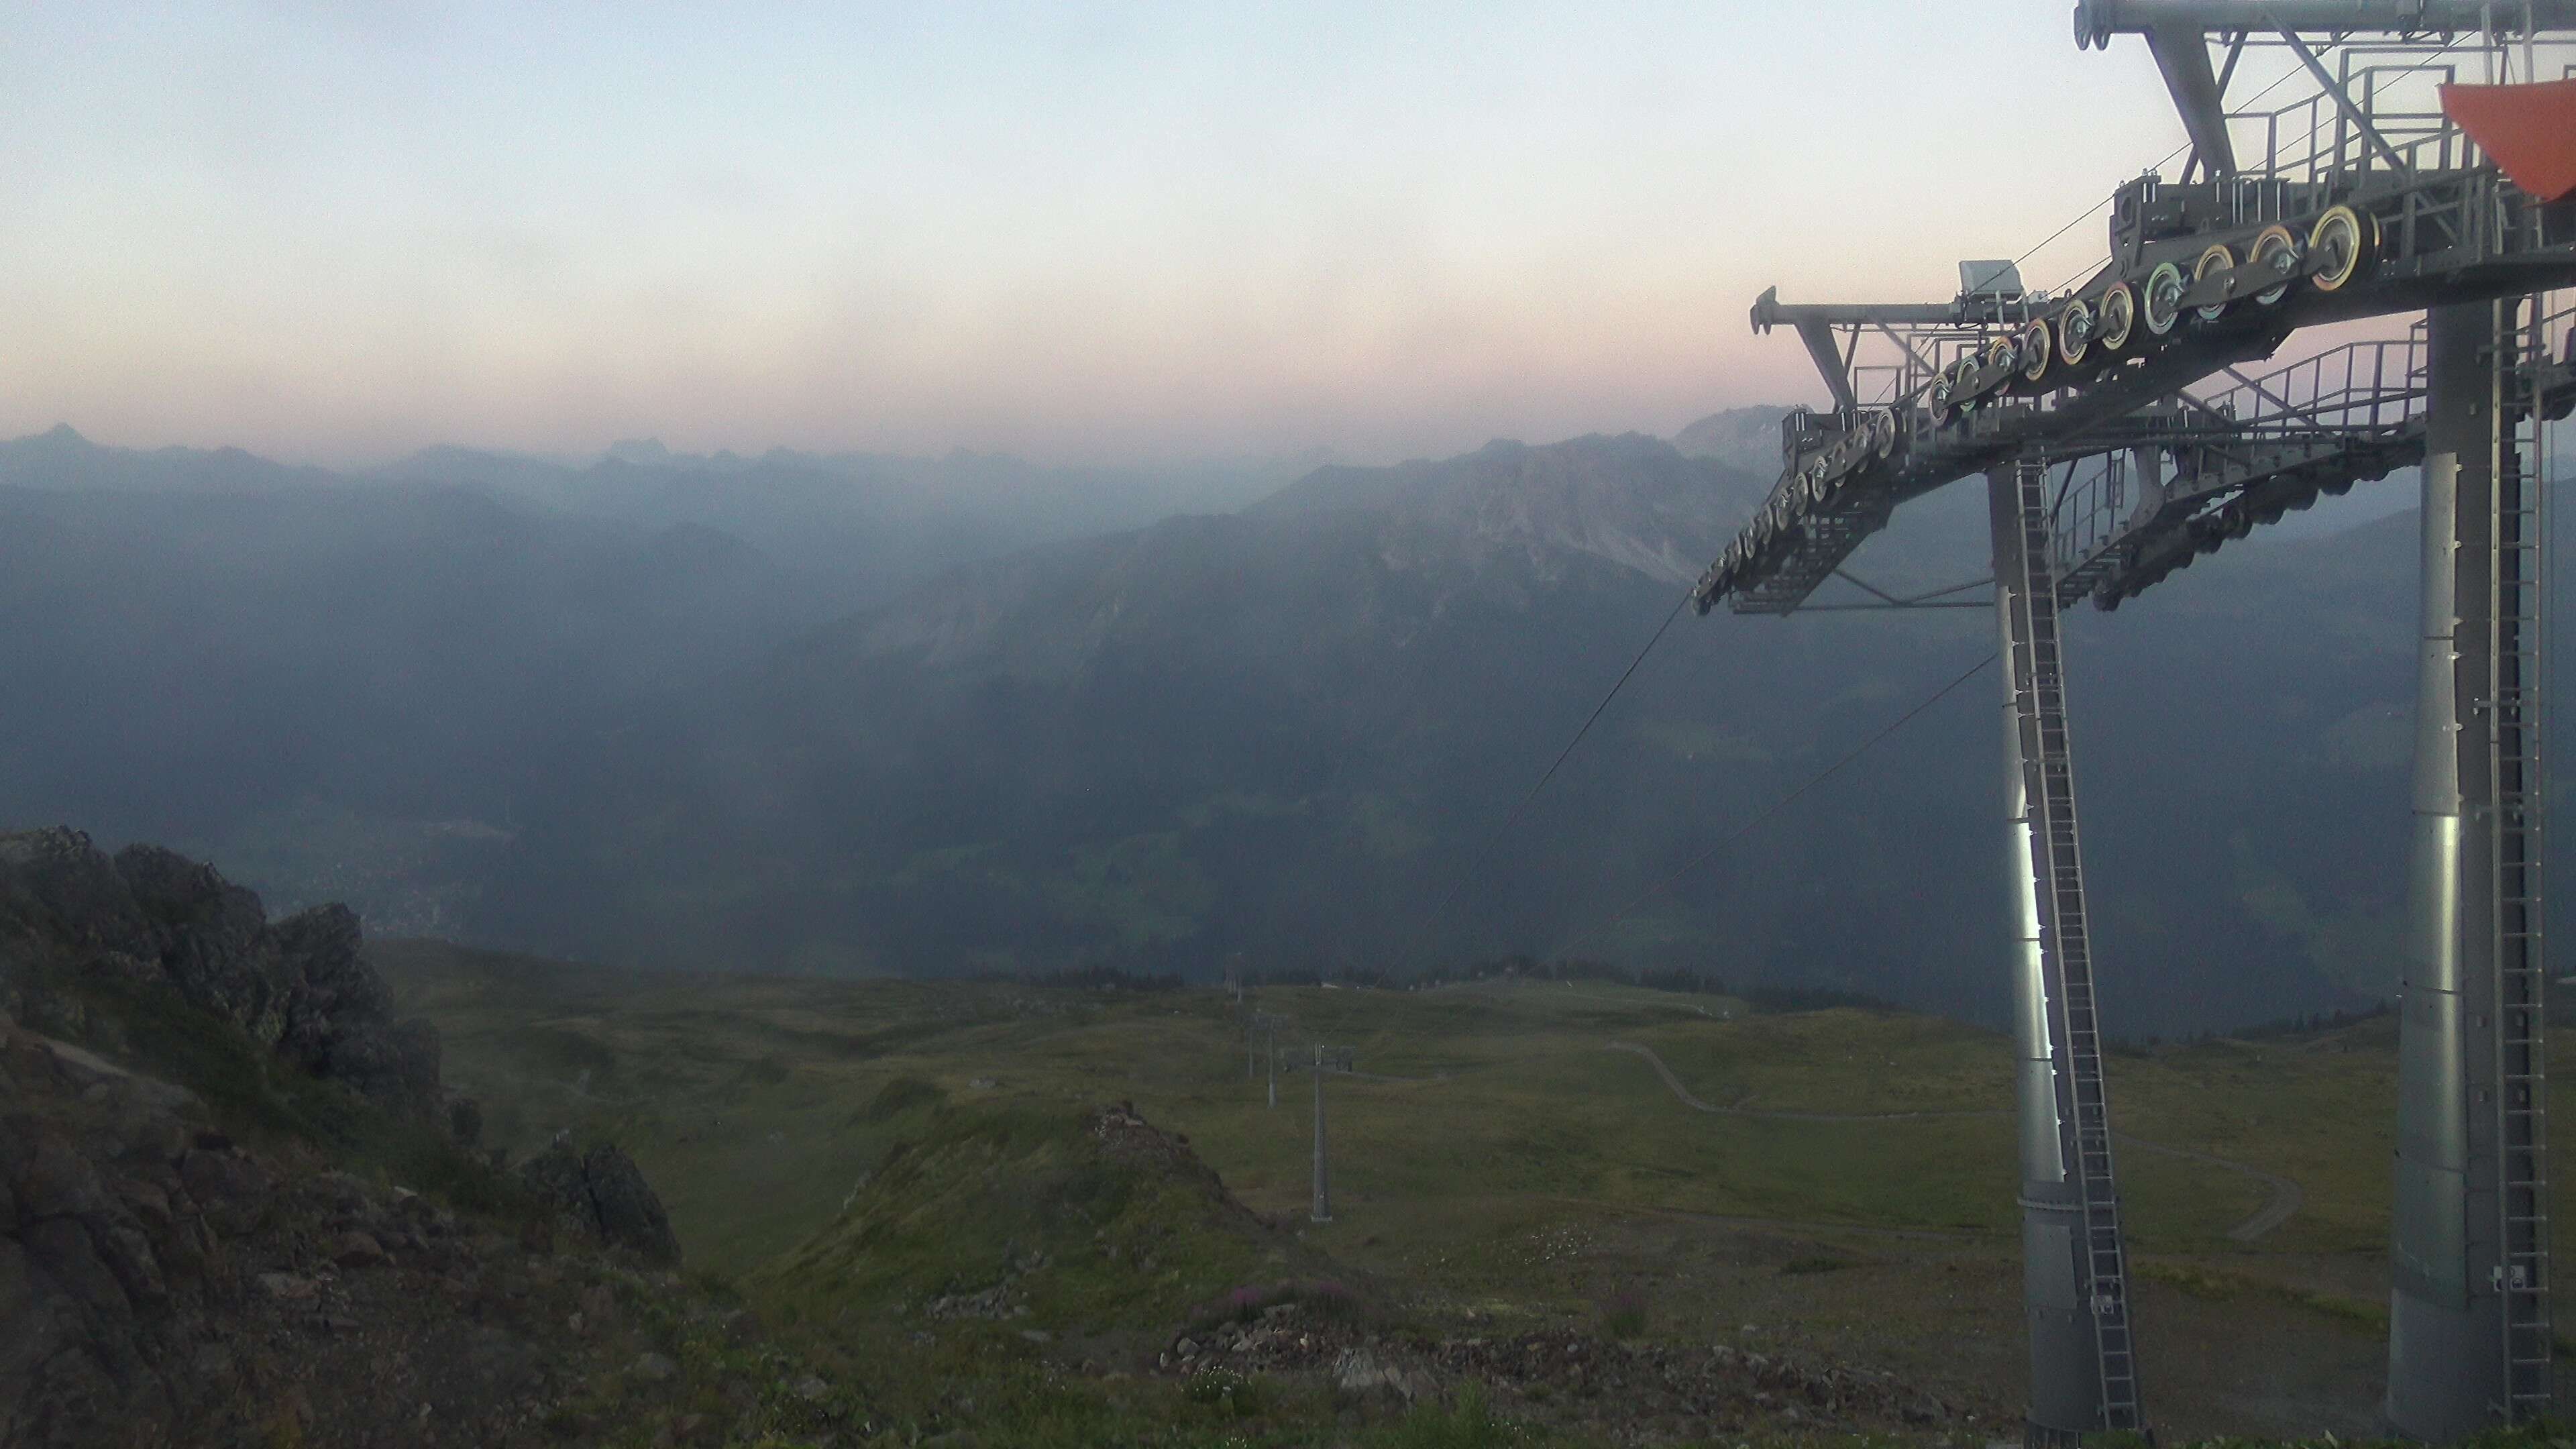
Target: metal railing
2352, 411
2215, 436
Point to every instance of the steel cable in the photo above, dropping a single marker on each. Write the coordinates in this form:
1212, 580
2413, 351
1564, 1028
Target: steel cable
1774, 808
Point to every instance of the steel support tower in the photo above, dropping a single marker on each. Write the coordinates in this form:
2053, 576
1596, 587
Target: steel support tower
2366, 197
2083, 1368
1265, 1025
2469, 1325
1327, 1059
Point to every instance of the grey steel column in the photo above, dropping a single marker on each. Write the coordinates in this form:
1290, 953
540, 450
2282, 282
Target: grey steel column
2065, 1384
1323, 1194
2445, 1322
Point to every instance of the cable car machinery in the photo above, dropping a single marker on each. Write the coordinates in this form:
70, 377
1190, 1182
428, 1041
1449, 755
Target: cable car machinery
2362, 199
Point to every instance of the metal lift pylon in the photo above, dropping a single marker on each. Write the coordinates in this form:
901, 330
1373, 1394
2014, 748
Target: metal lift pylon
2369, 198
2469, 1326
2083, 1365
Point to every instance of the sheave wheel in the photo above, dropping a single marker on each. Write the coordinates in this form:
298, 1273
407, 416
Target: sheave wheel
2346, 239
2075, 332
2275, 251
2038, 352
2003, 355
2115, 318
1966, 389
2161, 307
2213, 261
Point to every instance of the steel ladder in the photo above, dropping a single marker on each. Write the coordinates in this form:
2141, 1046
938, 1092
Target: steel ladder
2515, 621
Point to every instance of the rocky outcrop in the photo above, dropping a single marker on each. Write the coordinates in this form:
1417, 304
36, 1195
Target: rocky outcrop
151, 916
209, 936
163, 1286
339, 1020
1581, 1383
118, 1206
603, 1192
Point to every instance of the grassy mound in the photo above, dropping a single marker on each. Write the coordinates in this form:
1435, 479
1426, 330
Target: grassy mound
1046, 1216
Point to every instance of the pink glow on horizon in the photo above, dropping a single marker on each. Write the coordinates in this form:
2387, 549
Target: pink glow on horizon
1146, 234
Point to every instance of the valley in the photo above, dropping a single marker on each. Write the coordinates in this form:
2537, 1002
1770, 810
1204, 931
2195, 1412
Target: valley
628, 712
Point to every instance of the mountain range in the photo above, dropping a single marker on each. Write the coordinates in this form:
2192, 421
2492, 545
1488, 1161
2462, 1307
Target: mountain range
867, 716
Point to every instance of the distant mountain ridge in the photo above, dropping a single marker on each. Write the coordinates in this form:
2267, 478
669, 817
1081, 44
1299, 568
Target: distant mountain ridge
610, 711
60, 458
1746, 438
1631, 499
1286, 734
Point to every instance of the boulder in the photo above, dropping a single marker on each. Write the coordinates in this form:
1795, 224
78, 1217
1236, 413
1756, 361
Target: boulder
605, 1193
1363, 1371
355, 1249
334, 988
393, 1063
59, 894
210, 937
339, 1020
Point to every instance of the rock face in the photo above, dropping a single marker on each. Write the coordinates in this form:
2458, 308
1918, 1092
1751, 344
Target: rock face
112, 1206
163, 1286
152, 916
605, 1193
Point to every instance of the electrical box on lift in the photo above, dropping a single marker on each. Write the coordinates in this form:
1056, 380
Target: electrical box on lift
1991, 281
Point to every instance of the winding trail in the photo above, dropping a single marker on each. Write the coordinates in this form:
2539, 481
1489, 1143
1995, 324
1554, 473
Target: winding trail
1397, 1081
2287, 1197
1696, 1104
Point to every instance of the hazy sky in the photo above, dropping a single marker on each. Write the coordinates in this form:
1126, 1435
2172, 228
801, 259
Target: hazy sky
1073, 232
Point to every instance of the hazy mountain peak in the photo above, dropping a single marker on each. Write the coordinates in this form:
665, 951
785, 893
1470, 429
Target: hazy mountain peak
1631, 499
1747, 438
61, 460
641, 452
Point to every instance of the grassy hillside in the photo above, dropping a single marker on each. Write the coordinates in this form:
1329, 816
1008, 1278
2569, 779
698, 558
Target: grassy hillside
1506, 1152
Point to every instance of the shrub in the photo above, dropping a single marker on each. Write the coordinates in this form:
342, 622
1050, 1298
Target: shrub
1330, 1298
1471, 1424
1323, 1297
1623, 1312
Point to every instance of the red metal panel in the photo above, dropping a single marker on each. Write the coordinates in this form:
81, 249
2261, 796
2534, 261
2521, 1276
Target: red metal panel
2529, 131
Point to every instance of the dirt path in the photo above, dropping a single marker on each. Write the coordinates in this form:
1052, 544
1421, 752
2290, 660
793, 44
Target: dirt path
1696, 1104
1808, 1227
2286, 1195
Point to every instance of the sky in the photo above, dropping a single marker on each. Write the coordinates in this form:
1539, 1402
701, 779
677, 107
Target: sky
1078, 233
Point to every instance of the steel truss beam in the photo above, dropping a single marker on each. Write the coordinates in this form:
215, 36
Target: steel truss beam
2096, 21
1833, 493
